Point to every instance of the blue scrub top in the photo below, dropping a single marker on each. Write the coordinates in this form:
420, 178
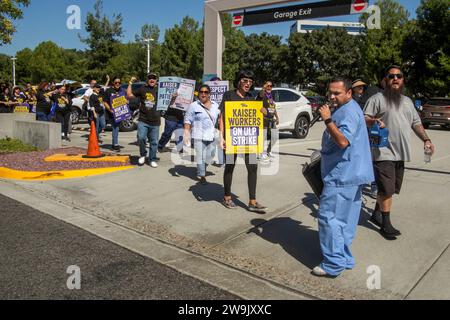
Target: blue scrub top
351, 166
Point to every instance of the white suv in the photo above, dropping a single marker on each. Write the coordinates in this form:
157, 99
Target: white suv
293, 109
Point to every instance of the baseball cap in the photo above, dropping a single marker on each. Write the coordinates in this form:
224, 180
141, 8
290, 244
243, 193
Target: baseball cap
152, 75
358, 83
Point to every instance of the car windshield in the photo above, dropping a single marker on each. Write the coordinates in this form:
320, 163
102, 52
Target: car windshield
80, 92
439, 102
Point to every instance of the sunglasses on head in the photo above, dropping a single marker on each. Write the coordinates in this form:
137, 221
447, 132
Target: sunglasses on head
392, 76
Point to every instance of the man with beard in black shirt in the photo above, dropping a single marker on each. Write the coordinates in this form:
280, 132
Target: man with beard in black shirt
149, 118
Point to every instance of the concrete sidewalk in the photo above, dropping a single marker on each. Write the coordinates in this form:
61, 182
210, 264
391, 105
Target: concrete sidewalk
281, 247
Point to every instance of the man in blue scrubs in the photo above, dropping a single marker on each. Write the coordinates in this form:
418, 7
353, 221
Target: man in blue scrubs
346, 167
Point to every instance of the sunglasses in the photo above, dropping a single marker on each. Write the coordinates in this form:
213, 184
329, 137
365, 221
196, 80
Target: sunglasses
245, 81
269, 86
117, 82
205, 92
392, 76
152, 78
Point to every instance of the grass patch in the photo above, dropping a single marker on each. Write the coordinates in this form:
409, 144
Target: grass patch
9, 145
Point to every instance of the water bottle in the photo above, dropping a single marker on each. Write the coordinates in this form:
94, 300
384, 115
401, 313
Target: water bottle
427, 154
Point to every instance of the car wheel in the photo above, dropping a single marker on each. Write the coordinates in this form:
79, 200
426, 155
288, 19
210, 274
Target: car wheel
127, 126
301, 128
75, 116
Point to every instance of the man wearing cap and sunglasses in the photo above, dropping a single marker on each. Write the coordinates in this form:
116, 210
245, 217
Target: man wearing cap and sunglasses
397, 113
149, 118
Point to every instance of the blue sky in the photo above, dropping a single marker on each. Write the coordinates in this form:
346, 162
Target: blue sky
46, 20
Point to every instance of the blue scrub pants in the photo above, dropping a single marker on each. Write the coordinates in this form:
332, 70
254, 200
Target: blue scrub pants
339, 212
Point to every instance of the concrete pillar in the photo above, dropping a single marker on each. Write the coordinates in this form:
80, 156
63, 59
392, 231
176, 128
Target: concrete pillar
214, 42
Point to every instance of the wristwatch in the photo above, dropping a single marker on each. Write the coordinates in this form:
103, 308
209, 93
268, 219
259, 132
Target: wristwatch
328, 121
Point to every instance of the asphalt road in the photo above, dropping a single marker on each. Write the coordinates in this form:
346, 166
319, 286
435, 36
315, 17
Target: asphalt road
36, 251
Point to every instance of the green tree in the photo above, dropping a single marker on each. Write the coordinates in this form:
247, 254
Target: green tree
151, 31
5, 68
47, 63
182, 50
23, 73
261, 55
130, 61
383, 47
148, 31
315, 57
235, 45
428, 49
10, 10
104, 34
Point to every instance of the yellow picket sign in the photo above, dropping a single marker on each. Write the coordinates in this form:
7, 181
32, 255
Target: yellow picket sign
244, 131
21, 109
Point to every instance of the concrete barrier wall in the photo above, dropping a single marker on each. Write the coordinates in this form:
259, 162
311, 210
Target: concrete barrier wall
42, 135
7, 121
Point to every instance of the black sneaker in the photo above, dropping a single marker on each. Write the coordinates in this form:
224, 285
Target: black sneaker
377, 218
388, 234
203, 181
257, 208
116, 148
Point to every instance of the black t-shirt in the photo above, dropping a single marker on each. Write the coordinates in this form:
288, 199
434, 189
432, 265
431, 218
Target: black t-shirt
21, 98
269, 106
63, 106
96, 102
148, 97
174, 114
3, 107
43, 102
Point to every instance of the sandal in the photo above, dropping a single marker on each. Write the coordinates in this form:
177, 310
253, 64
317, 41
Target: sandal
229, 204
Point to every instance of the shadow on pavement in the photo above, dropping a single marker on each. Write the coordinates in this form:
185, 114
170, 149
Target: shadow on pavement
294, 155
310, 201
299, 241
204, 193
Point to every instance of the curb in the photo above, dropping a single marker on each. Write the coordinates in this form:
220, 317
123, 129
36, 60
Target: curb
6, 173
219, 275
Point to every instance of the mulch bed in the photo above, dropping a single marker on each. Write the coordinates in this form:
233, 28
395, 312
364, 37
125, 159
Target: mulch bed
34, 161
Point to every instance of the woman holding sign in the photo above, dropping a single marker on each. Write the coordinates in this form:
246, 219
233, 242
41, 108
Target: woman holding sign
116, 103
18, 101
201, 118
242, 93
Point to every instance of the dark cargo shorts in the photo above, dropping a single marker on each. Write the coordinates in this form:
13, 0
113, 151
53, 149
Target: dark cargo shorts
389, 177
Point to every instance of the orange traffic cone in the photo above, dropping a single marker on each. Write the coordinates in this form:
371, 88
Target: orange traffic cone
93, 148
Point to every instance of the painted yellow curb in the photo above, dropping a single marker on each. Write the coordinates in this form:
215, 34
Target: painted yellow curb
79, 157
56, 175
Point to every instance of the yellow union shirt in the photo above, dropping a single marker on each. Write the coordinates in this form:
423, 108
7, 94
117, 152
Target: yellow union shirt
244, 130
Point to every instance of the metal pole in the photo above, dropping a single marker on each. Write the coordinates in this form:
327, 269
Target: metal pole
148, 57
14, 70
148, 53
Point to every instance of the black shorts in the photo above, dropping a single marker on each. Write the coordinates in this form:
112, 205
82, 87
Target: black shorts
389, 177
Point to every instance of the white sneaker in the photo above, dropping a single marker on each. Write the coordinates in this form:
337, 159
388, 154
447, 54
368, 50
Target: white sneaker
265, 157
141, 161
318, 271
153, 164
